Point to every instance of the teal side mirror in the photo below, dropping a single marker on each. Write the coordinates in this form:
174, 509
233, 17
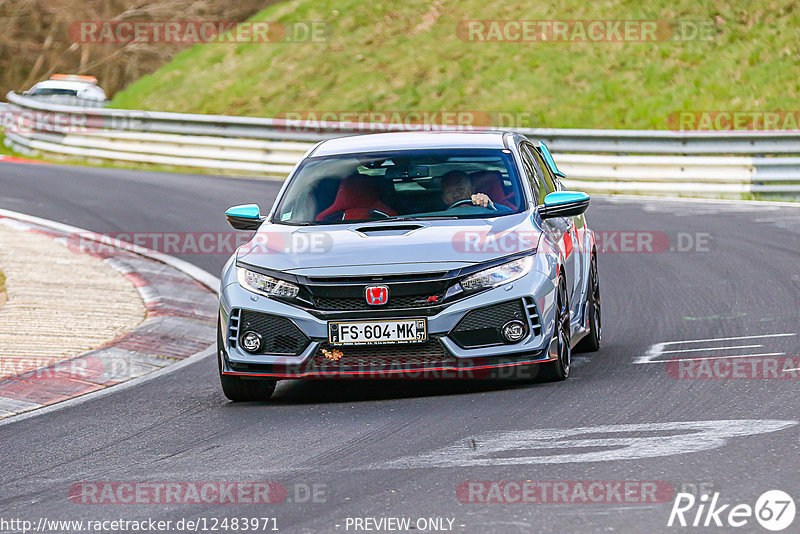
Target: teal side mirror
548, 159
244, 217
564, 204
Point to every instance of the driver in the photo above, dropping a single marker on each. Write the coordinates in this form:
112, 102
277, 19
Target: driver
457, 186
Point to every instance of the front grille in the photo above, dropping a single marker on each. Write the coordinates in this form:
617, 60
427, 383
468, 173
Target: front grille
279, 335
481, 327
409, 356
360, 303
419, 290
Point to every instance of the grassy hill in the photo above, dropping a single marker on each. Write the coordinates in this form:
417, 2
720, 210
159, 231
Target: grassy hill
408, 55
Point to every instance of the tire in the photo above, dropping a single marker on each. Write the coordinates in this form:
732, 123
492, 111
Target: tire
558, 370
591, 342
237, 389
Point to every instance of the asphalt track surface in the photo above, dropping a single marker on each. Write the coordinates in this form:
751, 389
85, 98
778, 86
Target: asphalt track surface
373, 446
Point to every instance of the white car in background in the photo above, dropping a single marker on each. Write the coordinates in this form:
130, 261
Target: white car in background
69, 89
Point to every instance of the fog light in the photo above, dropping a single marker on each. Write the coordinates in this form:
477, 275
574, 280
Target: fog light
251, 341
513, 331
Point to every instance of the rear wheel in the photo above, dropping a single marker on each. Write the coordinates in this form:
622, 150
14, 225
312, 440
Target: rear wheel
591, 342
238, 389
558, 369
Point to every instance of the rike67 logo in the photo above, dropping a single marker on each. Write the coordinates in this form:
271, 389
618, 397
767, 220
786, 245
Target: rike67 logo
774, 510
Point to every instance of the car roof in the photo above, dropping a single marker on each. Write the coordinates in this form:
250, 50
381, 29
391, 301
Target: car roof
383, 142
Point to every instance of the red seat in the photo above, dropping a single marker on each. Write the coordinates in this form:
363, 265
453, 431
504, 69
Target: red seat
490, 183
356, 198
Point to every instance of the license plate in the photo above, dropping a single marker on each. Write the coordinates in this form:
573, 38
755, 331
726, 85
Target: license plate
378, 332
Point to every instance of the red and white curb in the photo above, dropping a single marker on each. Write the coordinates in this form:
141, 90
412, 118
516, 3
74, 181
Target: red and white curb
180, 325
15, 159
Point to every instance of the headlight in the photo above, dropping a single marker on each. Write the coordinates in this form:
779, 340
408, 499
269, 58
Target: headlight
265, 285
495, 276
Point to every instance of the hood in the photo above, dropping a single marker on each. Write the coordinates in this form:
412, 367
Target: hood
391, 246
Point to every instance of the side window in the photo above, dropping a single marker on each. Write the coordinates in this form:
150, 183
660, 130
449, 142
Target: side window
542, 173
549, 180
534, 177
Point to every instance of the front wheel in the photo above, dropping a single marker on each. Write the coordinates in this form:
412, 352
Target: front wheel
237, 389
591, 342
558, 369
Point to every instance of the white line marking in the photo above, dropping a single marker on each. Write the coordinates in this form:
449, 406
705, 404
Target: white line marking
658, 349
713, 348
725, 339
716, 357
780, 218
652, 353
579, 445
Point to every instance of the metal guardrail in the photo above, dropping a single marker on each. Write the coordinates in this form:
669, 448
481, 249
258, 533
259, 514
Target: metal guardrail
717, 164
668, 141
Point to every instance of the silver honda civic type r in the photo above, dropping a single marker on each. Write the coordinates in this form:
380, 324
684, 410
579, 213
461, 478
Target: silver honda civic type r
411, 255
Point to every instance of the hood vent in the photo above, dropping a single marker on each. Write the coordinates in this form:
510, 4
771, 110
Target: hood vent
394, 229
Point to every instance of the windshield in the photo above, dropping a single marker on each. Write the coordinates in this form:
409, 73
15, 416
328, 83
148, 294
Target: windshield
50, 91
410, 184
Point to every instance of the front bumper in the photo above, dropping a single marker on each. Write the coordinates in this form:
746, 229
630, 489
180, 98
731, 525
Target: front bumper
479, 368
440, 357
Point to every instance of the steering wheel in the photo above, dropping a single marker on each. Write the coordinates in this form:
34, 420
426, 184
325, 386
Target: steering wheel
466, 201
376, 212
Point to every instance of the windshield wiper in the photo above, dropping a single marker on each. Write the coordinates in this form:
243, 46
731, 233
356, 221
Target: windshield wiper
294, 223
423, 218
398, 218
